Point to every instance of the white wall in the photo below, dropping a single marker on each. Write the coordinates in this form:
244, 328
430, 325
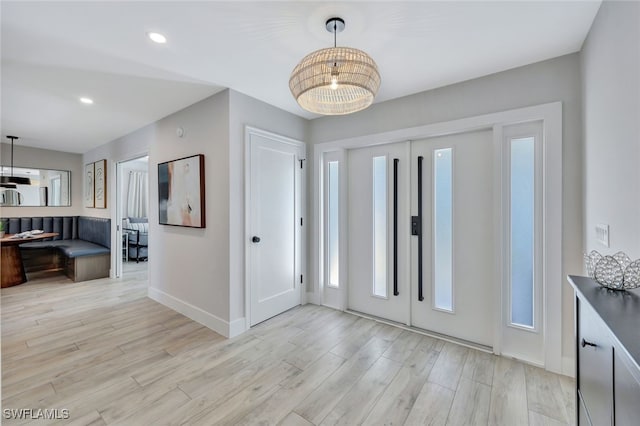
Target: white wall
553, 80
200, 272
133, 145
247, 111
188, 267
610, 62
37, 158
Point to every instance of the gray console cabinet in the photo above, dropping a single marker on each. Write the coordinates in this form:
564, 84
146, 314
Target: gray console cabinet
608, 349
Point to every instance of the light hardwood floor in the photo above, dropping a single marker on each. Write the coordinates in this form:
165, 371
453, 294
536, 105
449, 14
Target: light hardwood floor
109, 355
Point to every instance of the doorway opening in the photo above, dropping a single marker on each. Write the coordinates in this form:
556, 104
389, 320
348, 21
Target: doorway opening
133, 216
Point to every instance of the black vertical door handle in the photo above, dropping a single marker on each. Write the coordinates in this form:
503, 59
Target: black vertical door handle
395, 227
255, 239
420, 295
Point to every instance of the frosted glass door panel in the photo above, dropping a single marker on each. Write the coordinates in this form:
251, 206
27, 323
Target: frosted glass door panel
380, 226
522, 231
443, 228
333, 225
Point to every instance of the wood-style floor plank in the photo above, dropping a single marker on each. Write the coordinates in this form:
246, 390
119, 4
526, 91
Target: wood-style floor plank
432, 405
544, 393
537, 419
470, 405
449, 365
292, 391
294, 419
320, 402
111, 356
508, 394
362, 397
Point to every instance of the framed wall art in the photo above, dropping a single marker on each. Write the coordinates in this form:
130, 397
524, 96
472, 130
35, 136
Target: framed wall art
100, 179
89, 200
181, 198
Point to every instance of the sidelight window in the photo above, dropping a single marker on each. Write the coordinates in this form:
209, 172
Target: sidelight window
333, 234
522, 213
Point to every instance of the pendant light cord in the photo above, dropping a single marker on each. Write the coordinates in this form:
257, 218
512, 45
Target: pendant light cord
12, 139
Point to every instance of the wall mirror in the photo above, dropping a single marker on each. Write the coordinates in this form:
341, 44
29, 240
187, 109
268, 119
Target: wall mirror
35, 187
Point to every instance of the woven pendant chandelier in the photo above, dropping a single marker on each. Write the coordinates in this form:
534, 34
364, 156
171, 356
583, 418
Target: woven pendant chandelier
337, 80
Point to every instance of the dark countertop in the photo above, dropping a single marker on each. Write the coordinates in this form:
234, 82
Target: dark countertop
620, 311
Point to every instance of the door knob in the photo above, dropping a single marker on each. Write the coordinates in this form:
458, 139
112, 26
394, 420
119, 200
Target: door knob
255, 239
585, 343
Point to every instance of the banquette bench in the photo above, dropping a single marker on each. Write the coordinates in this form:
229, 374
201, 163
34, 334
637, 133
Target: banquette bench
82, 249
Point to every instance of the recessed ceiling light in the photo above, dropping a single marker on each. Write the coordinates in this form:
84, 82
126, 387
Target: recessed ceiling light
157, 37
87, 101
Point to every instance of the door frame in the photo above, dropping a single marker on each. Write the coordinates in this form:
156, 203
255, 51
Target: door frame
117, 209
301, 250
551, 116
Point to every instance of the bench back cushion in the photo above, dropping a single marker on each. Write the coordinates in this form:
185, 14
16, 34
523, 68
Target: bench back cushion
65, 226
95, 229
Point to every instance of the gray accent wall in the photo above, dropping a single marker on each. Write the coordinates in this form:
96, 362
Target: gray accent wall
610, 65
553, 80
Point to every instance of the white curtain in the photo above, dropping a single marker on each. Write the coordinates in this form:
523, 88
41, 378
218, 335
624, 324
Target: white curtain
138, 194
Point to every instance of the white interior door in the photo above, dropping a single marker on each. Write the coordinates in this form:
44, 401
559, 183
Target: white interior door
275, 226
378, 216
457, 261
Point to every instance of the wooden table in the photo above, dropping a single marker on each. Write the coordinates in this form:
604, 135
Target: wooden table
11, 266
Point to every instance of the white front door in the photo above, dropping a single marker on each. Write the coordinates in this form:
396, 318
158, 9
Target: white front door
275, 227
431, 267
457, 264
378, 218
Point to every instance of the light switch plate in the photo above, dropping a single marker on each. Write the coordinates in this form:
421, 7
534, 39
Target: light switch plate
602, 234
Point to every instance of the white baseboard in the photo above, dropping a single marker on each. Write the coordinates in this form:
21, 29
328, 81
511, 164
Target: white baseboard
312, 298
237, 327
569, 366
205, 318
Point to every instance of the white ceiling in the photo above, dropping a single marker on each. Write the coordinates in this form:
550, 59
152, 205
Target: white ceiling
54, 52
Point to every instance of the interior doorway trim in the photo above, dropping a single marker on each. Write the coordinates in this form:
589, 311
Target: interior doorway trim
551, 116
117, 203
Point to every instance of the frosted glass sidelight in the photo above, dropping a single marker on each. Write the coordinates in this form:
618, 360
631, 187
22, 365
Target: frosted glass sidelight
333, 225
522, 230
380, 226
443, 228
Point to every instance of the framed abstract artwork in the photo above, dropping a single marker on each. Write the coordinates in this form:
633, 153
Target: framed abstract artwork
181, 200
100, 179
89, 200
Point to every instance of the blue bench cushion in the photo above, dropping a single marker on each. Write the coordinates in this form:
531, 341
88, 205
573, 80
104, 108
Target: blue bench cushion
70, 248
80, 248
43, 244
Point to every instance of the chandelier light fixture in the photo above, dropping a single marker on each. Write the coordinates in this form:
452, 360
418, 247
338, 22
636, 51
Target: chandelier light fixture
336, 80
